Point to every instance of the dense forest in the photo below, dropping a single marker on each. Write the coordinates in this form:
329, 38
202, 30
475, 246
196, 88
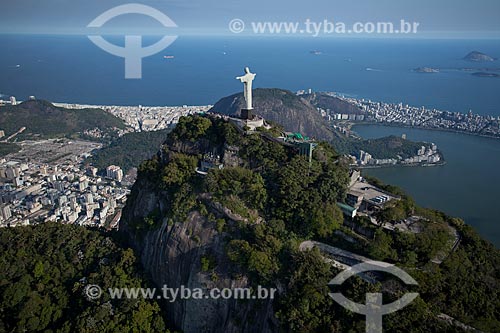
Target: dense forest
386, 147
129, 150
44, 120
7, 148
281, 200
285, 200
44, 271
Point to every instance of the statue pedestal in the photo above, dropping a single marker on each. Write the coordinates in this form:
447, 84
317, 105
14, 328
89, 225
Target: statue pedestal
247, 114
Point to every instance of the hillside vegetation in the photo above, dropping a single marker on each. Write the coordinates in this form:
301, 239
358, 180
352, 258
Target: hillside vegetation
129, 150
334, 104
44, 271
299, 114
7, 148
44, 120
387, 147
277, 200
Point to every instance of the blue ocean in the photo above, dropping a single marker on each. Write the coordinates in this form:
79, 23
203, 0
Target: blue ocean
73, 69
199, 71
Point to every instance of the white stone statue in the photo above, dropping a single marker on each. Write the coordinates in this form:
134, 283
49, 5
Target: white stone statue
247, 81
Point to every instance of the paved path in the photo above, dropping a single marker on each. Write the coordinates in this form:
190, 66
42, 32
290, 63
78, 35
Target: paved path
345, 258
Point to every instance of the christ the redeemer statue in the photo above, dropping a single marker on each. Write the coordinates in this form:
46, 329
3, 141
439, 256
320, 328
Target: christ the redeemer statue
247, 81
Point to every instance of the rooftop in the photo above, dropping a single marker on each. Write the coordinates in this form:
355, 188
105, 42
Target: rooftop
370, 192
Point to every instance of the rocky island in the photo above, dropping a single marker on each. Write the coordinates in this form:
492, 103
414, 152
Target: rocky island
486, 74
476, 56
426, 70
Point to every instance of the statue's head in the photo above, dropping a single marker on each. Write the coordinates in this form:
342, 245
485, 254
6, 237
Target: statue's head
247, 70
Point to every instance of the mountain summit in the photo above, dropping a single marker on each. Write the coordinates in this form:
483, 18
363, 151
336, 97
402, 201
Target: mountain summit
294, 113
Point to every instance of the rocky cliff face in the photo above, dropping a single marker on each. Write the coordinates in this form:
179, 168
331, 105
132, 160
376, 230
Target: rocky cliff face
172, 254
280, 106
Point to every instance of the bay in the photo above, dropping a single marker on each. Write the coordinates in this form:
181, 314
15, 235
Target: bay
467, 186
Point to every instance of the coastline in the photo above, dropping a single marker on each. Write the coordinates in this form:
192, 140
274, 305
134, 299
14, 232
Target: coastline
398, 165
371, 123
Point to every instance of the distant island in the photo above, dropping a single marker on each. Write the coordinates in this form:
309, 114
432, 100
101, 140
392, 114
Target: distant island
426, 70
477, 71
476, 56
485, 74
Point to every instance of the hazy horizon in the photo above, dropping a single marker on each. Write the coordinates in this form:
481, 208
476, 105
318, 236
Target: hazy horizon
442, 19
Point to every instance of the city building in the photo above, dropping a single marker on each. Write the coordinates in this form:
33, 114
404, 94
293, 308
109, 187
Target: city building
114, 172
347, 210
5, 212
364, 157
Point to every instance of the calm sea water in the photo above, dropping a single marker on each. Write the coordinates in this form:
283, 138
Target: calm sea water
467, 186
72, 69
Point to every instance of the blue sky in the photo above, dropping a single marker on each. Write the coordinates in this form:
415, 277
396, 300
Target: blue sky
474, 18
